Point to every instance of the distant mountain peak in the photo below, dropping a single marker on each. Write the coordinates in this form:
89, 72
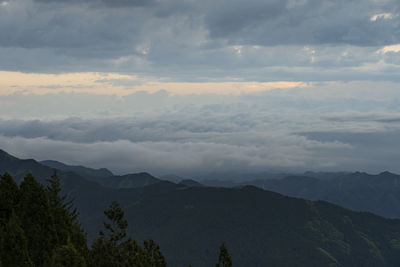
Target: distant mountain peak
81, 170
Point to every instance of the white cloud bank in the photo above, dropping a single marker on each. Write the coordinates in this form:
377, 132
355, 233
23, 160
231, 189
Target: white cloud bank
327, 127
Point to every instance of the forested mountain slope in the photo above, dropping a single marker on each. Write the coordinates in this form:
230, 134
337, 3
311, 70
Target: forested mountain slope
358, 191
260, 228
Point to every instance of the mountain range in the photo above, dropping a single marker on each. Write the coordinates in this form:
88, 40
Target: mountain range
260, 227
357, 191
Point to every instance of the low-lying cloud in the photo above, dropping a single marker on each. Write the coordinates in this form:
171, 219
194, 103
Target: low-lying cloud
188, 135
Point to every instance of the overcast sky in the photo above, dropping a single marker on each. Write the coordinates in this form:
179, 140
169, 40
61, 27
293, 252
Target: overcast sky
188, 87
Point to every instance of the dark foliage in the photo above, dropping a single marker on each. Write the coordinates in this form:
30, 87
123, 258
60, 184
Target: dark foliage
37, 225
14, 246
67, 255
37, 220
224, 259
65, 217
113, 249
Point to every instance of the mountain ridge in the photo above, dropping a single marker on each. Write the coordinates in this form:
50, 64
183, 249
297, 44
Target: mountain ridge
259, 227
81, 170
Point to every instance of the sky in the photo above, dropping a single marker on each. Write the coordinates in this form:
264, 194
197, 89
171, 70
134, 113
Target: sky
189, 87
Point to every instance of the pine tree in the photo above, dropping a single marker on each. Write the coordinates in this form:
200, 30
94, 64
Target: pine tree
59, 209
107, 249
14, 246
103, 253
37, 221
133, 254
112, 249
117, 224
9, 197
65, 217
1, 245
154, 254
67, 256
224, 259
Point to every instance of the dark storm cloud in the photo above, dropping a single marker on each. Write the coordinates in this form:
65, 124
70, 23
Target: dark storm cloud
236, 16
186, 40
72, 30
100, 3
303, 22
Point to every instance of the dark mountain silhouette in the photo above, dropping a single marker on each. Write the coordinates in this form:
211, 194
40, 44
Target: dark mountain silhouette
128, 180
260, 228
235, 177
358, 191
105, 177
81, 170
18, 168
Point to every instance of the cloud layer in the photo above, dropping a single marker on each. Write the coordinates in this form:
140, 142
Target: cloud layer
293, 130
204, 40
